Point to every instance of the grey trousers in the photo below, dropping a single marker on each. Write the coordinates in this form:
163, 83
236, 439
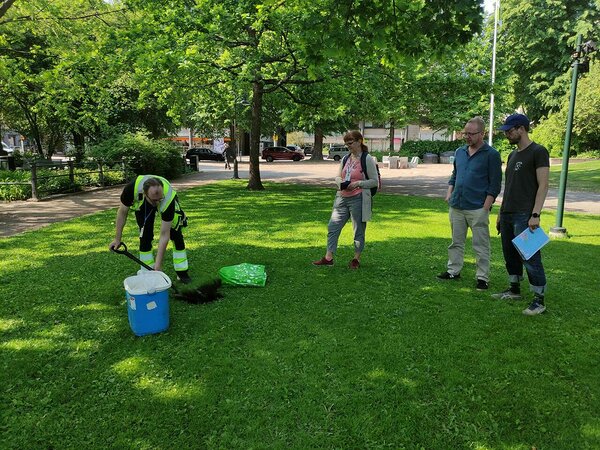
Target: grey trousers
343, 209
479, 222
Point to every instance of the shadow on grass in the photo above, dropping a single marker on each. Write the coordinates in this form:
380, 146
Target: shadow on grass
321, 356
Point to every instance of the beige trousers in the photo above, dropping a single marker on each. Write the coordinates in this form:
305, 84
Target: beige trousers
478, 220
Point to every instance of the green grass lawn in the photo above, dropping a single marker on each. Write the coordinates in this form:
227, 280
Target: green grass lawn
584, 176
383, 357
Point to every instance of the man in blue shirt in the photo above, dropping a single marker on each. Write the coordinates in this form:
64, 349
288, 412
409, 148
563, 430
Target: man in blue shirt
472, 189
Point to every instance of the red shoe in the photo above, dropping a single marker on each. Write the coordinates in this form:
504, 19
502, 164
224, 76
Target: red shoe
323, 262
354, 264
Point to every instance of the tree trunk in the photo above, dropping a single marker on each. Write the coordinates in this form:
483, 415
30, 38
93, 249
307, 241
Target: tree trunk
234, 146
391, 136
33, 127
78, 143
317, 153
254, 182
281, 137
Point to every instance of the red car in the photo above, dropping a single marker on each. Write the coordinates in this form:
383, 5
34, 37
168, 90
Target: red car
272, 153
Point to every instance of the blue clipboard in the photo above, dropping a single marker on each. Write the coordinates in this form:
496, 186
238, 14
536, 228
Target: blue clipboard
528, 243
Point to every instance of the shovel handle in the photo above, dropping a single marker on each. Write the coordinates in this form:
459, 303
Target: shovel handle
118, 247
121, 249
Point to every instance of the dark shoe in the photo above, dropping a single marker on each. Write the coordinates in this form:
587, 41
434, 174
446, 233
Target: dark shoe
482, 285
184, 277
323, 262
354, 264
537, 307
448, 276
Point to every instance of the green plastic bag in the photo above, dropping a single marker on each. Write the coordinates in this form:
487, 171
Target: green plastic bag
244, 274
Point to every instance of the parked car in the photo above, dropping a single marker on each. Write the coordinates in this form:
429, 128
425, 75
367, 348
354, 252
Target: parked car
337, 151
205, 154
307, 149
271, 153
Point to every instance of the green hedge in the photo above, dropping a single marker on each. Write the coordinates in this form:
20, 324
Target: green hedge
54, 181
419, 148
141, 154
15, 191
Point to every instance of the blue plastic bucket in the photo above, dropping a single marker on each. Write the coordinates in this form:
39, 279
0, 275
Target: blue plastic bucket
148, 302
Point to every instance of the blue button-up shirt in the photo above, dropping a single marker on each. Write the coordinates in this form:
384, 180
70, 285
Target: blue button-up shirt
475, 177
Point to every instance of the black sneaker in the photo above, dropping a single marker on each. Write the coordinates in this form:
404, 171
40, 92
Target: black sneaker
482, 285
448, 276
184, 277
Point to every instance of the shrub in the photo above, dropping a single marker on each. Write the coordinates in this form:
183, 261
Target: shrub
55, 181
378, 154
419, 148
12, 192
503, 146
551, 132
142, 154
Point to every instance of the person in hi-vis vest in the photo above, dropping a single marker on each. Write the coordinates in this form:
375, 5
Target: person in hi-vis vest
148, 194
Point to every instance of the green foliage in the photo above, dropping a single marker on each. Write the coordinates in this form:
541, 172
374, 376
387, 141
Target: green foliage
550, 133
585, 135
535, 47
419, 148
55, 181
586, 125
141, 154
503, 146
383, 357
10, 192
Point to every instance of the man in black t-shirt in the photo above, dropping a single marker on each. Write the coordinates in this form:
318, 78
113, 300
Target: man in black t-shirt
525, 190
149, 194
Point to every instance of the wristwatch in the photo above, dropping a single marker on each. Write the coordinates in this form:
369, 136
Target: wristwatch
535, 215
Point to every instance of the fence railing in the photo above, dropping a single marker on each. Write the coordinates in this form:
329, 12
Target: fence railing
86, 175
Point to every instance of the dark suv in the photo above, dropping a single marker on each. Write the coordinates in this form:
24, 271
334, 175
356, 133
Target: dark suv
272, 153
204, 154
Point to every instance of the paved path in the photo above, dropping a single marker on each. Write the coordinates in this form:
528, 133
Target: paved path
425, 180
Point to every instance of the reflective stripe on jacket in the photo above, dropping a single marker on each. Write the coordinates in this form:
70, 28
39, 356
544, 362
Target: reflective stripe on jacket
138, 192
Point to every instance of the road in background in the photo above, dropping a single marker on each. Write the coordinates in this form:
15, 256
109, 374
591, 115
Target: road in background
428, 180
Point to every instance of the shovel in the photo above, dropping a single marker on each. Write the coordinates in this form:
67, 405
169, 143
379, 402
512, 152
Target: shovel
205, 293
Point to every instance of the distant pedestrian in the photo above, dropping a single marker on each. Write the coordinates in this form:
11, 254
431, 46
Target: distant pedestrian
352, 200
525, 190
472, 189
229, 156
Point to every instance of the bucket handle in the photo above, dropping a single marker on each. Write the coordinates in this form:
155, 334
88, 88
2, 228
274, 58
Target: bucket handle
165, 277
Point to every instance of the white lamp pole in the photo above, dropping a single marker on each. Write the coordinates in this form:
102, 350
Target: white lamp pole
491, 124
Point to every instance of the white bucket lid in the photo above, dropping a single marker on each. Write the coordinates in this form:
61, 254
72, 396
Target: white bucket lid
147, 282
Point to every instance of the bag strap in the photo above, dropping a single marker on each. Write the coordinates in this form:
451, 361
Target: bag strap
363, 164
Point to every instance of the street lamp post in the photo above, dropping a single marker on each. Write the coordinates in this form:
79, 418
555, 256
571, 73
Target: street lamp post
496, 17
579, 58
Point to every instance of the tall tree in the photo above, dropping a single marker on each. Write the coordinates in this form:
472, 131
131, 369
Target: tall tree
49, 67
536, 42
263, 47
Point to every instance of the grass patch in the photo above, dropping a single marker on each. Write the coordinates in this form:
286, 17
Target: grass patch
384, 357
584, 176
